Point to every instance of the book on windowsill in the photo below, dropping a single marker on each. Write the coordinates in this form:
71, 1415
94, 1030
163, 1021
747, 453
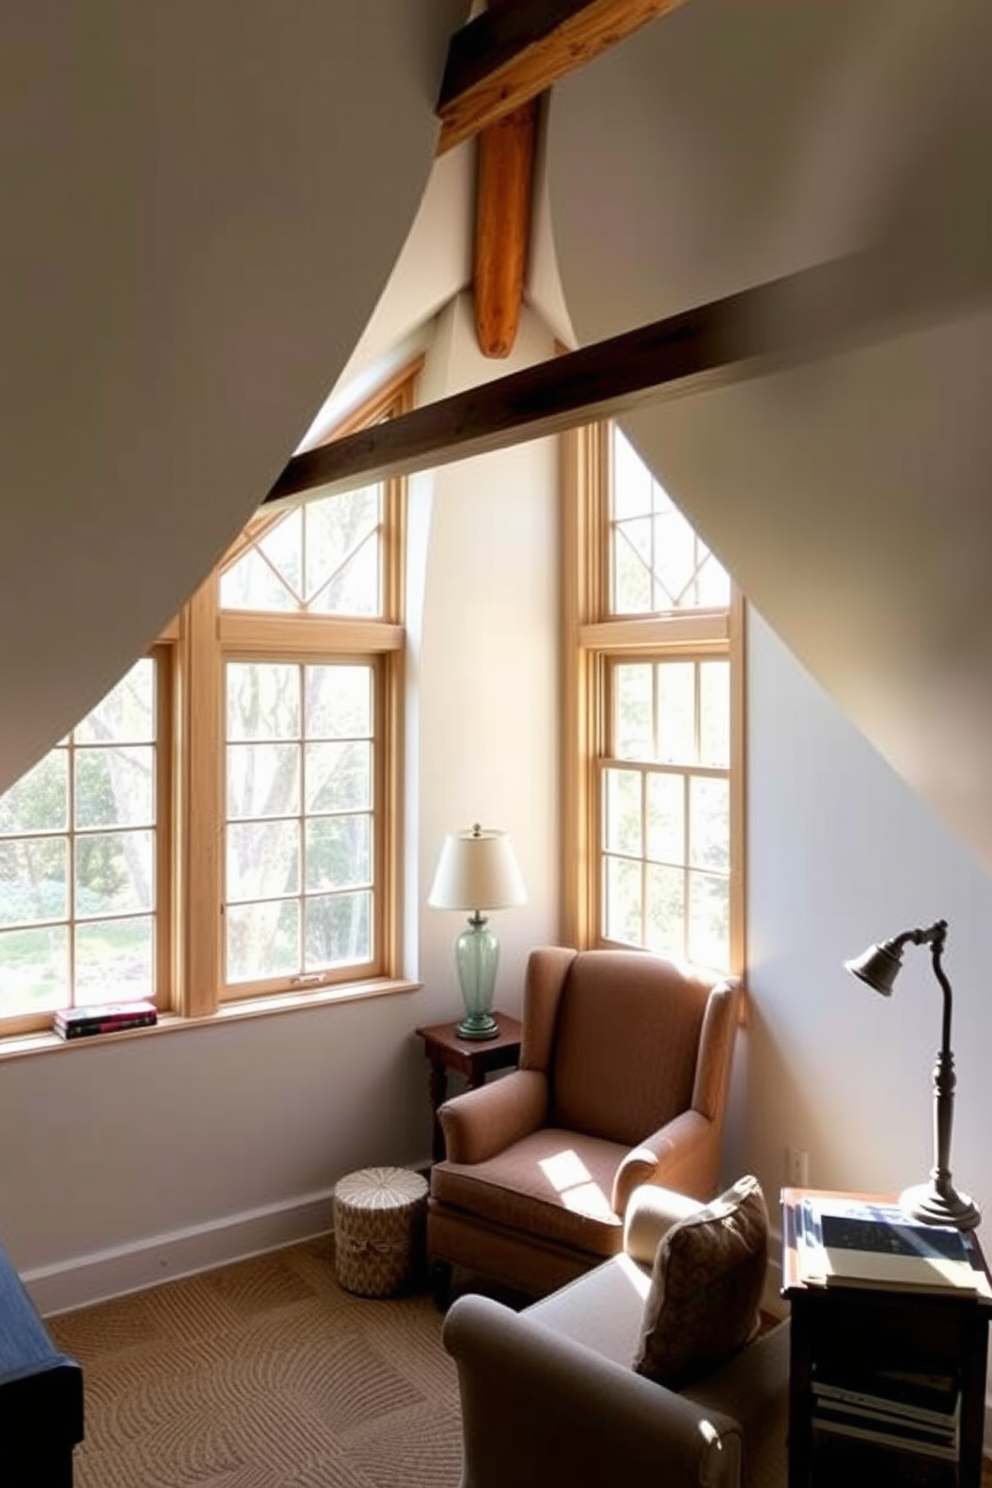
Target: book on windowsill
104, 1017
854, 1242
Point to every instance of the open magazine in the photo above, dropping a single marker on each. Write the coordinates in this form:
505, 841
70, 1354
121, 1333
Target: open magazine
857, 1242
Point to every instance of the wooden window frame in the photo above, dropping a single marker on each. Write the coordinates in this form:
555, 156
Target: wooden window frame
592, 641
190, 655
212, 637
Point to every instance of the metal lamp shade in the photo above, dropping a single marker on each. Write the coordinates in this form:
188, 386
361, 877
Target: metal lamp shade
879, 966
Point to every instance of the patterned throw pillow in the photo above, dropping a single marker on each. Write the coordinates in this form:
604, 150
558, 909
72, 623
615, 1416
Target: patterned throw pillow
706, 1285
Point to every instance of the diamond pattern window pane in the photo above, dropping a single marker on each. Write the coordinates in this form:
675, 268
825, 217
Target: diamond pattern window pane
657, 563
324, 557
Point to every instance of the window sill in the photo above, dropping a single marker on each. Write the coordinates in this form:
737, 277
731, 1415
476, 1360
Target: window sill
46, 1042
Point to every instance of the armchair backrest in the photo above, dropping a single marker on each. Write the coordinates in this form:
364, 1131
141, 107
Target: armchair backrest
628, 1040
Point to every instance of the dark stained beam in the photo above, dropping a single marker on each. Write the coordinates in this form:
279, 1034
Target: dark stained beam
846, 302
509, 54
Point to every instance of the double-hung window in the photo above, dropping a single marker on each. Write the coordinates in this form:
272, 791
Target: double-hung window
653, 755
222, 826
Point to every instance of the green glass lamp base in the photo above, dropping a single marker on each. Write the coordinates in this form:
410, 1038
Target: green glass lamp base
477, 957
478, 1026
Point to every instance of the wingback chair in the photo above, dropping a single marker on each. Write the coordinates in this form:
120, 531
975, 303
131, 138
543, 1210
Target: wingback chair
624, 1068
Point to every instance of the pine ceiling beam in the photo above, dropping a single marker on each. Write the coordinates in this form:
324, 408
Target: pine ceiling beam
509, 54
815, 312
504, 182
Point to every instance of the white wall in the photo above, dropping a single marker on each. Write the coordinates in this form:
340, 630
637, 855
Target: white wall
842, 854
202, 205
726, 145
127, 1162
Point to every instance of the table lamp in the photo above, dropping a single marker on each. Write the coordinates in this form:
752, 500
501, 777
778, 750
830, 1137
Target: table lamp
935, 1202
477, 870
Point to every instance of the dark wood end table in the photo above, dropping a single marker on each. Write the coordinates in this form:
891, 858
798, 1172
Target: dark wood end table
473, 1058
860, 1328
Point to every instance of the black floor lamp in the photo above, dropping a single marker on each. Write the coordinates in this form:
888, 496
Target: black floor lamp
935, 1202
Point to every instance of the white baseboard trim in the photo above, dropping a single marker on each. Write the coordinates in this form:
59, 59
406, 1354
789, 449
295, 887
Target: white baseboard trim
85, 1279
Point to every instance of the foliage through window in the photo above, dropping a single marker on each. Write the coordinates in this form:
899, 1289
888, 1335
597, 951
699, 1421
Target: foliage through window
220, 826
80, 891
652, 780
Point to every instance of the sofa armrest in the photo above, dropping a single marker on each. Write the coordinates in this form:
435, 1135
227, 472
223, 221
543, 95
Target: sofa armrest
479, 1123
539, 1408
651, 1211
679, 1156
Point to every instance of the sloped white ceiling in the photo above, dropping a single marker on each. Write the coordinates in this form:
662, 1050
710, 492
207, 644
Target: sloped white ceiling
202, 204
732, 143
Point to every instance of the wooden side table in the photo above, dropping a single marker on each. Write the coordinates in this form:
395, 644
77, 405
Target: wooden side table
860, 1328
473, 1058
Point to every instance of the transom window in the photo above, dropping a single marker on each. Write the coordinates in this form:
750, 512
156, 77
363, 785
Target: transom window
657, 562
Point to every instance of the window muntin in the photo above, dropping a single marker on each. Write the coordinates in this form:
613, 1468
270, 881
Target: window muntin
79, 849
325, 557
666, 808
657, 563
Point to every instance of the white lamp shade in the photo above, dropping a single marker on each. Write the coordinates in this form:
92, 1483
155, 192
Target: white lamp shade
477, 870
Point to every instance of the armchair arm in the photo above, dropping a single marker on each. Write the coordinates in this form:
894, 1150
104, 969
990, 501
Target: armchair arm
683, 1154
538, 1408
480, 1123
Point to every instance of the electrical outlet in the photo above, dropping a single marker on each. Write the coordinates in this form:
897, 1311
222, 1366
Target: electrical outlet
797, 1167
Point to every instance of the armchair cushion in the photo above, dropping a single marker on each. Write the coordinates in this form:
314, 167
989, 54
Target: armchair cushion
706, 1285
541, 1186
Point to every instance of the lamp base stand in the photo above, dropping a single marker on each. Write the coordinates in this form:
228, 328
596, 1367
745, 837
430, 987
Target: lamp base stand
925, 1202
478, 1026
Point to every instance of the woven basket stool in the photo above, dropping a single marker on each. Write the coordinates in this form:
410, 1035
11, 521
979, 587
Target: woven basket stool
379, 1231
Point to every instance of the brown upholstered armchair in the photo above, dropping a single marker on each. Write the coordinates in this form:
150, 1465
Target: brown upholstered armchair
624, 1068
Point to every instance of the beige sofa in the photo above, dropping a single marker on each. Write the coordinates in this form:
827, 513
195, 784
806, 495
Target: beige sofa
549, 1395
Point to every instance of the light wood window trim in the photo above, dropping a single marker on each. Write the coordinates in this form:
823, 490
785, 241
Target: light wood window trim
592, 642
213, 637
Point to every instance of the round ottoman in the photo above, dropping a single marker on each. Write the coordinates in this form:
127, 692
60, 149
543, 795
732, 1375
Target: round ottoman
379, 1230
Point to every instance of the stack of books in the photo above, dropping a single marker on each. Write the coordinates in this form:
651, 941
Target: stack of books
103, 1017
894, 1408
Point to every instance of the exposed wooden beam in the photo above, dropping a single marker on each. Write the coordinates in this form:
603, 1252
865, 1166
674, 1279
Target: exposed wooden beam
803, 316
509, 54
504, 181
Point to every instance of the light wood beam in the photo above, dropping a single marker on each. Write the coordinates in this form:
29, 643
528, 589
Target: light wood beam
510, 54
502, 226
503, 192
847, 302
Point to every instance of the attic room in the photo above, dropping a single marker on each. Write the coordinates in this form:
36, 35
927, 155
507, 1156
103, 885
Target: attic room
223, 230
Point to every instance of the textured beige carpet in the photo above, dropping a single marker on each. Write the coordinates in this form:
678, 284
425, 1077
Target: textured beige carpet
264, 1374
